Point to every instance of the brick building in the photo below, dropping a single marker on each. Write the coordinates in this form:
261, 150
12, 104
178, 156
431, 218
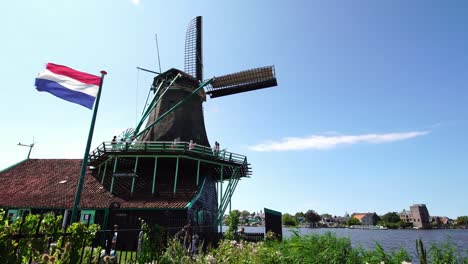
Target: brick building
418, 215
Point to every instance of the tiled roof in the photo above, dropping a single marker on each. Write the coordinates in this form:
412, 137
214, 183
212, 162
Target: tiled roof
51, 183
358, 216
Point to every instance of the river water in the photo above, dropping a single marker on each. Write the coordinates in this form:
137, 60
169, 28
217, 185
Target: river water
388, 239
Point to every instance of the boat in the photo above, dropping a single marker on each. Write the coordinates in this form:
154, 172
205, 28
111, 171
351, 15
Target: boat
368, 227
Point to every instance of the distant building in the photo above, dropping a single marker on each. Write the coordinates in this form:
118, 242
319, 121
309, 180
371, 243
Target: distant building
406, 216
418, 216
446, 221
440, 221
367, 218
340, 220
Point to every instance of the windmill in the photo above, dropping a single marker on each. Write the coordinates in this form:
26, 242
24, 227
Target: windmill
189, 91
155, 164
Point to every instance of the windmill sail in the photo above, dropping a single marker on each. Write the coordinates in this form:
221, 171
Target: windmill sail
243, 81
193, 49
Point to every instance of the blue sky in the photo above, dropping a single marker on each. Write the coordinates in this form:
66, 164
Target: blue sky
370, 112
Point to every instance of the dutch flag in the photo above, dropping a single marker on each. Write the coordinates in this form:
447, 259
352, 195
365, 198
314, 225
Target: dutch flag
69, 84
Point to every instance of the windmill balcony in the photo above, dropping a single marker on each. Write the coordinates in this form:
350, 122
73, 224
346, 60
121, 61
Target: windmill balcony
162, 147
181, 149
152, 170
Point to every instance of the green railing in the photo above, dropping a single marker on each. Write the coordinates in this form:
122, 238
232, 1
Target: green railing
226, 197
167, 147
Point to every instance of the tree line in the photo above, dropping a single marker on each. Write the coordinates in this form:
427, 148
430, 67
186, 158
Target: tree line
390, 220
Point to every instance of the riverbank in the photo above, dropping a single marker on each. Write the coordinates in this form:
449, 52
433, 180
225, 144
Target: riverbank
390, 239
313, 248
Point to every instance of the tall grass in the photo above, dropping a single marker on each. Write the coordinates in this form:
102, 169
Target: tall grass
314, 249
327, 248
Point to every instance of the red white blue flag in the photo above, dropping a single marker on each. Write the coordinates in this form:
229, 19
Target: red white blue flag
69, 84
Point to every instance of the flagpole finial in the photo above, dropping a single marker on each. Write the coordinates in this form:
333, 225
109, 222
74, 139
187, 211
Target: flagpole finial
103, 72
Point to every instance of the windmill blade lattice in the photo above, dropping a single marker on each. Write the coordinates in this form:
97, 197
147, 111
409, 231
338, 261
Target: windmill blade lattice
193, 49
243, 81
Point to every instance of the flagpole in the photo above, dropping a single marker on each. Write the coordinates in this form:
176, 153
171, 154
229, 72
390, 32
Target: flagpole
79, 187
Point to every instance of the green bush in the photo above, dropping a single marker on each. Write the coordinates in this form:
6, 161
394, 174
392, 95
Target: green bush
28, 237
232, 222
152, 242
327, 248
289, 220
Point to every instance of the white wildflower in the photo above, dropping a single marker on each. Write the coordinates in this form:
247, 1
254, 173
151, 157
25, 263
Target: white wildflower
210, 259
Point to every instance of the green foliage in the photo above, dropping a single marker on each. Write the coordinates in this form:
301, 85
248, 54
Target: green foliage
28, 237
299, 214
353, 221
289, 220
405, 225
421, 252
461, 221
379, 255
245, 214
174, 254
78, 236
7, 245
30, 246
308, 249
232, 222
392, 220
329, 216
318, 249
312, 248
444, 253
152, 242
391, 217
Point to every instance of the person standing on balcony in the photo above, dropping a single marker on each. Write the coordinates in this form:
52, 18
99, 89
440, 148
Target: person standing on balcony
216, 148
114, 141
191, 145
123, 143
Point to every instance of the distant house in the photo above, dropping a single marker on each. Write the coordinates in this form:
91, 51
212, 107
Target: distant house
340, 220
367, 218
418, 216
440, 221
446, 221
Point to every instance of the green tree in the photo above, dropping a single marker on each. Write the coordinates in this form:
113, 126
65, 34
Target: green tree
353, 221
289, 220
391, 217
391, 220
232, 221
405, 225
329, 216
461, 221
226, 217
299, 214
245, 214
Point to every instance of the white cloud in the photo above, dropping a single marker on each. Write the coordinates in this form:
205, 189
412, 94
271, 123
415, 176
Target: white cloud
136, 2
321, 142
